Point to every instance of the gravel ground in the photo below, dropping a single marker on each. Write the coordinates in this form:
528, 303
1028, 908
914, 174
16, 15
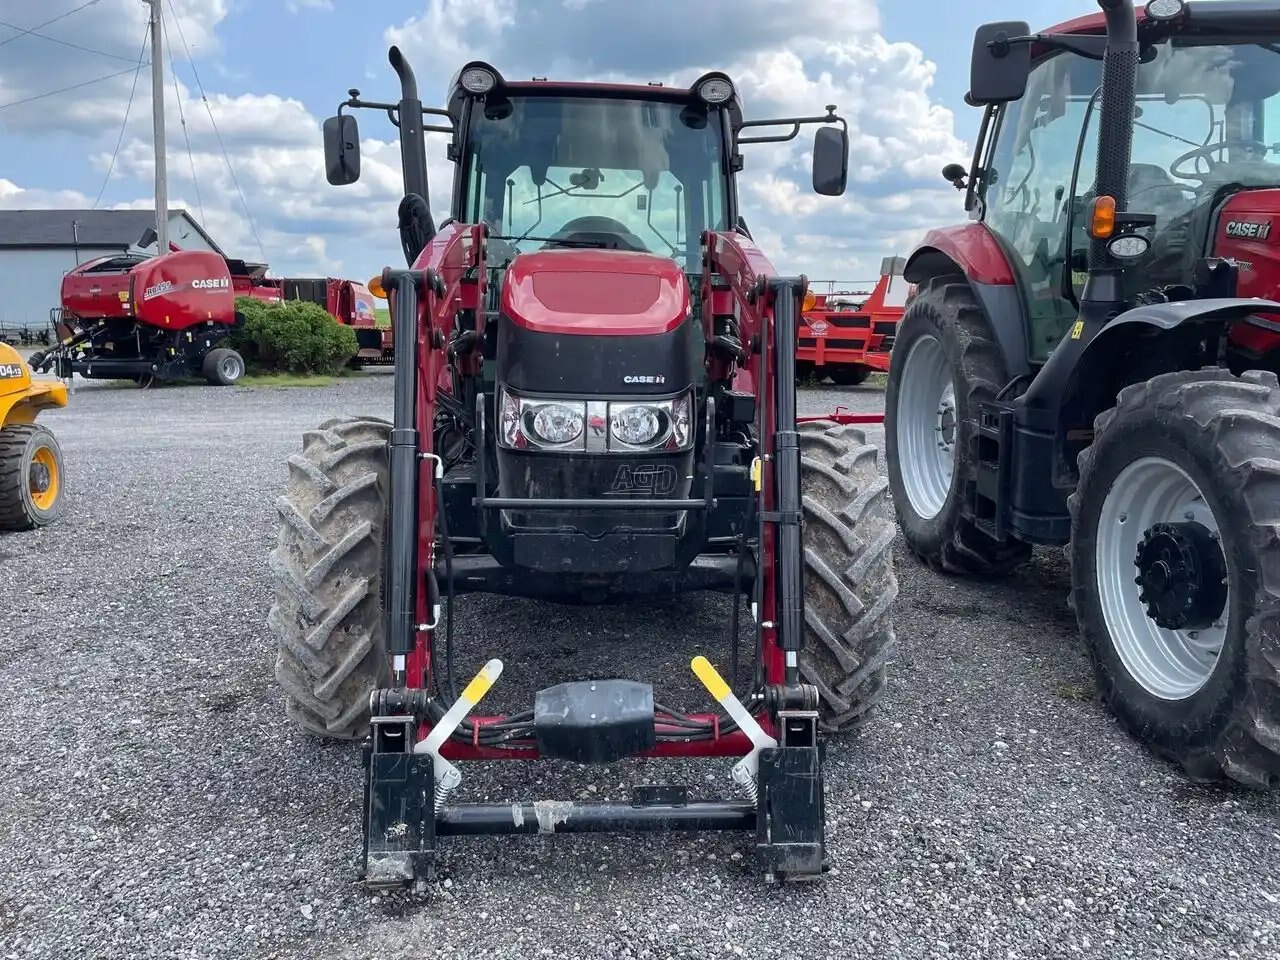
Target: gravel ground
154, 804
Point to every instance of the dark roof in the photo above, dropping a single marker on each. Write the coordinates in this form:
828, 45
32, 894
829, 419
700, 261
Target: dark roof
86, 228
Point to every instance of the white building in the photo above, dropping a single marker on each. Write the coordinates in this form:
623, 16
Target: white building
38, 247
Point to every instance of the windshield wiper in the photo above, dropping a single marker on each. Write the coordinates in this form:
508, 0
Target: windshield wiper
567, 243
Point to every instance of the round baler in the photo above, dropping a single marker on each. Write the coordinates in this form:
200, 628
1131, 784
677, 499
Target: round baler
147, 319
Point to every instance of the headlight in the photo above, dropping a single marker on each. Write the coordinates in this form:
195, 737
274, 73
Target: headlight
554, 423
682, 421
635, 425
1128, 246
510, 421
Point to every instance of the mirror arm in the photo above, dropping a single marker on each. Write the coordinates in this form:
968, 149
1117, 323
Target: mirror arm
392, 113
1091, 46
796, 123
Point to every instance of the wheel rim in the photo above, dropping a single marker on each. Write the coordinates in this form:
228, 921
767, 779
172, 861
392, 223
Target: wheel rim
229, 367
43, 480
926, 427
1154, 493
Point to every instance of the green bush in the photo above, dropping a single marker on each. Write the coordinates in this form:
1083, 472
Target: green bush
292, 337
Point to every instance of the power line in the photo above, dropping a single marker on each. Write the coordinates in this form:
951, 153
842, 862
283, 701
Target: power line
65, 43
61, 16
142, 52
177, 92
74, 86
231, 170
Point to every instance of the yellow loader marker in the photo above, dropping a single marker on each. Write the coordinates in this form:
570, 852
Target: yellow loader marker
745, 771
447, 775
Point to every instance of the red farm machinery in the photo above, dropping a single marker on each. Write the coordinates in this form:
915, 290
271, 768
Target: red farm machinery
594, 399
1091, 361
147, 319
847, 335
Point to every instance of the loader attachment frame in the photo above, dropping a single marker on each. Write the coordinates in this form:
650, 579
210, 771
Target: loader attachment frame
406, 805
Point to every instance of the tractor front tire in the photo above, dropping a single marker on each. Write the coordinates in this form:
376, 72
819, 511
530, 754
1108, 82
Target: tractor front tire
222, 367
1179, 490
945, 363
31, 483
850, 584
327, 568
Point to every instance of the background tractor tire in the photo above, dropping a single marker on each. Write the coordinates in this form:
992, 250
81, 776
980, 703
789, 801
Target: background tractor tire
945, 312
222, 367
1221, 435
848, 376
849, 581
327, 568
31, 477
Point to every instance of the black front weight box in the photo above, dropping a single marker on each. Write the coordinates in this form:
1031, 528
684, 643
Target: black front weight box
594, 721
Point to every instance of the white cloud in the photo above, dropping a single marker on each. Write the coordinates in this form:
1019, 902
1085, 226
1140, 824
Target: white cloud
781, 55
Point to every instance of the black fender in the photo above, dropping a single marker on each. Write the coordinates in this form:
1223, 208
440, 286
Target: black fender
1164, 317
1112, 359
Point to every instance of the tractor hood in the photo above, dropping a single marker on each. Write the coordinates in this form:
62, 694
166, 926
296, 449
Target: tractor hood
595, 292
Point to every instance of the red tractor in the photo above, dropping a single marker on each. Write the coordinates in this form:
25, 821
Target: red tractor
594, 399
848, 336
146, 319
1090, 361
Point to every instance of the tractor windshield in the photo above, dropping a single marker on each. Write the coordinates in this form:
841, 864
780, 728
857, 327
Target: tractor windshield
550, 172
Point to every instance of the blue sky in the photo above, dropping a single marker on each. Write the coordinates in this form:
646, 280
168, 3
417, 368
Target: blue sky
272, 69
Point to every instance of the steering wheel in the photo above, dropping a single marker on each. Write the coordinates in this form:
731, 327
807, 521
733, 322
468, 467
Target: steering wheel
603, 230
1207, 153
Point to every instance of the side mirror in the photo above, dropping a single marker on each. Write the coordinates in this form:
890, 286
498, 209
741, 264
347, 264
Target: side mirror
999, 70
341, 150
830, 161
148, 238
954, 174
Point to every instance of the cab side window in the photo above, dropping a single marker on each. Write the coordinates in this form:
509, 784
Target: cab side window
1029, 189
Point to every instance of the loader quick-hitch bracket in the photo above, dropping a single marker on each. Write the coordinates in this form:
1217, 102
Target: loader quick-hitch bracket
408, 784
402, 819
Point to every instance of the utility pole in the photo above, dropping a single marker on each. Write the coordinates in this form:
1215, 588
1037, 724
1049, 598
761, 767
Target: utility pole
157, 109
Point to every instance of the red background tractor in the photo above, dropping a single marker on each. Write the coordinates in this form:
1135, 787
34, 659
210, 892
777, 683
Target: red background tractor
1090, 361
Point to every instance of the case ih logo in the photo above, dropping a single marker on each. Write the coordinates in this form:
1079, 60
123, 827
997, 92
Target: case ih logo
634, 378
819, 328
164, 286
1249, 229
216, 283
653, 479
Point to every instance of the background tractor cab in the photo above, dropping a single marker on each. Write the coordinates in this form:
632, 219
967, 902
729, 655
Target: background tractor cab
1075, 366
1205, 166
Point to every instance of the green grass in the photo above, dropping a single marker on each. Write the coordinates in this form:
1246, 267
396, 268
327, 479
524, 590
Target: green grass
382, 316
286, 380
